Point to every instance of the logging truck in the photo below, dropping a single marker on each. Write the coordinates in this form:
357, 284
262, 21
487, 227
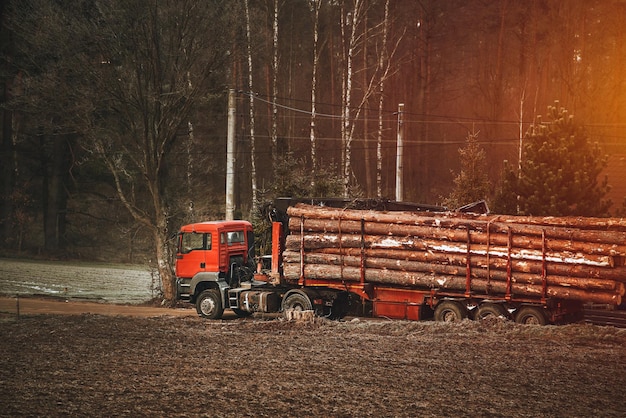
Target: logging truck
405, 261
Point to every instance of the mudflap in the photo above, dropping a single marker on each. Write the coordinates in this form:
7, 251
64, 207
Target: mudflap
566, 312
341, 305
330, 303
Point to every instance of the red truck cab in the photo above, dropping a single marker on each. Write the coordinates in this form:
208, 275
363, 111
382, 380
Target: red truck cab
212, 255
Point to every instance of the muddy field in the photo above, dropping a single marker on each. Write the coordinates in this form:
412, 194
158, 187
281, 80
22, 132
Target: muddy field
166, 366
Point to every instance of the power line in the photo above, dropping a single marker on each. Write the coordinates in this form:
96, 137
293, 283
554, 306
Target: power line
424, 118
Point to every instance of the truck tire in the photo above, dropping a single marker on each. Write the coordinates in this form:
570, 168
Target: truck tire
297, 302
450, 311
491, 310
531, 315
209, 304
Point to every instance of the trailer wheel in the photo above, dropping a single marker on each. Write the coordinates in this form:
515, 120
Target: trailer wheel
296, 302
531, 315
491, 310
209, 304
450, 311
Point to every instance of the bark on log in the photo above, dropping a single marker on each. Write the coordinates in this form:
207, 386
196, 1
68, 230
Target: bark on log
519, 239
317, 241
445, 282
579, 255
525, 266
586, 283
455, 218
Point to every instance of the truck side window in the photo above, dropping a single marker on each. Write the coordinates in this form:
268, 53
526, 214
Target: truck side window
192, 241
235, 237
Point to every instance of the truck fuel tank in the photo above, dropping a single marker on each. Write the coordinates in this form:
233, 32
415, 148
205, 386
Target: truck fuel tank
259, 301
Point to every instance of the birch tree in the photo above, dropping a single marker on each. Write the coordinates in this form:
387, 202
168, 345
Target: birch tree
275, 57
383, 62
251, 122
350, 19
354, 33
316, 4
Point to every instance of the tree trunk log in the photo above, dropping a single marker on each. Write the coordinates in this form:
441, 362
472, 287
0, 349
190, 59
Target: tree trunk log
451, 219
317, 241
520, 238
445, 282
525, 266
586, 283
580, 258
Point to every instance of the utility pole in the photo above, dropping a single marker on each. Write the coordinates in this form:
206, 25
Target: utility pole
399, 154
230, 158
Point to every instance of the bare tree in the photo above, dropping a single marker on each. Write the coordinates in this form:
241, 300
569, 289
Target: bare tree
7, 153
40, 61
383, 63
132, 73
151, 80
355, 33
316, 4
253, 176
275, 57
350, 19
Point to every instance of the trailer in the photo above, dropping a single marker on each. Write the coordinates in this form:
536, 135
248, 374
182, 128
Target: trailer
404, 261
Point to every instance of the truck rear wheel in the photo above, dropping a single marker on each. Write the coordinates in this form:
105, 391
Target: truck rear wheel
531, 315
209, 304
491, 310
296, 302
450, 311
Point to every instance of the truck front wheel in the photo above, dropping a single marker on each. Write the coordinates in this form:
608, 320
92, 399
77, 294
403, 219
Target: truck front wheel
450, 311
209, 304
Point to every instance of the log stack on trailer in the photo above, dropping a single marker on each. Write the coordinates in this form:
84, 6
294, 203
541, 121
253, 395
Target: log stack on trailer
456, 254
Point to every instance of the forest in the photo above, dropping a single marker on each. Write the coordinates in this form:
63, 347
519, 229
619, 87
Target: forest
115, 113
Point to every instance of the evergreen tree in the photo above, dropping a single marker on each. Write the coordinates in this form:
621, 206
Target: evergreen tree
560, 172
505, 200
295, 179
472, 183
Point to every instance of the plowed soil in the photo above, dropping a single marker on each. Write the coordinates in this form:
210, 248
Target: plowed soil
103, 365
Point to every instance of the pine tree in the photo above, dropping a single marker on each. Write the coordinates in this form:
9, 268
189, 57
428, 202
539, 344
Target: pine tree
560, 172
472, 183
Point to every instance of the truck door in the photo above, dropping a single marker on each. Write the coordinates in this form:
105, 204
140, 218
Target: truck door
191, 254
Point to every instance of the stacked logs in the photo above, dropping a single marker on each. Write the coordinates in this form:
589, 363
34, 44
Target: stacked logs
564, 258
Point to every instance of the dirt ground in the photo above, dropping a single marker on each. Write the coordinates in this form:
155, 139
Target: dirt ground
60, 306
163, 362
